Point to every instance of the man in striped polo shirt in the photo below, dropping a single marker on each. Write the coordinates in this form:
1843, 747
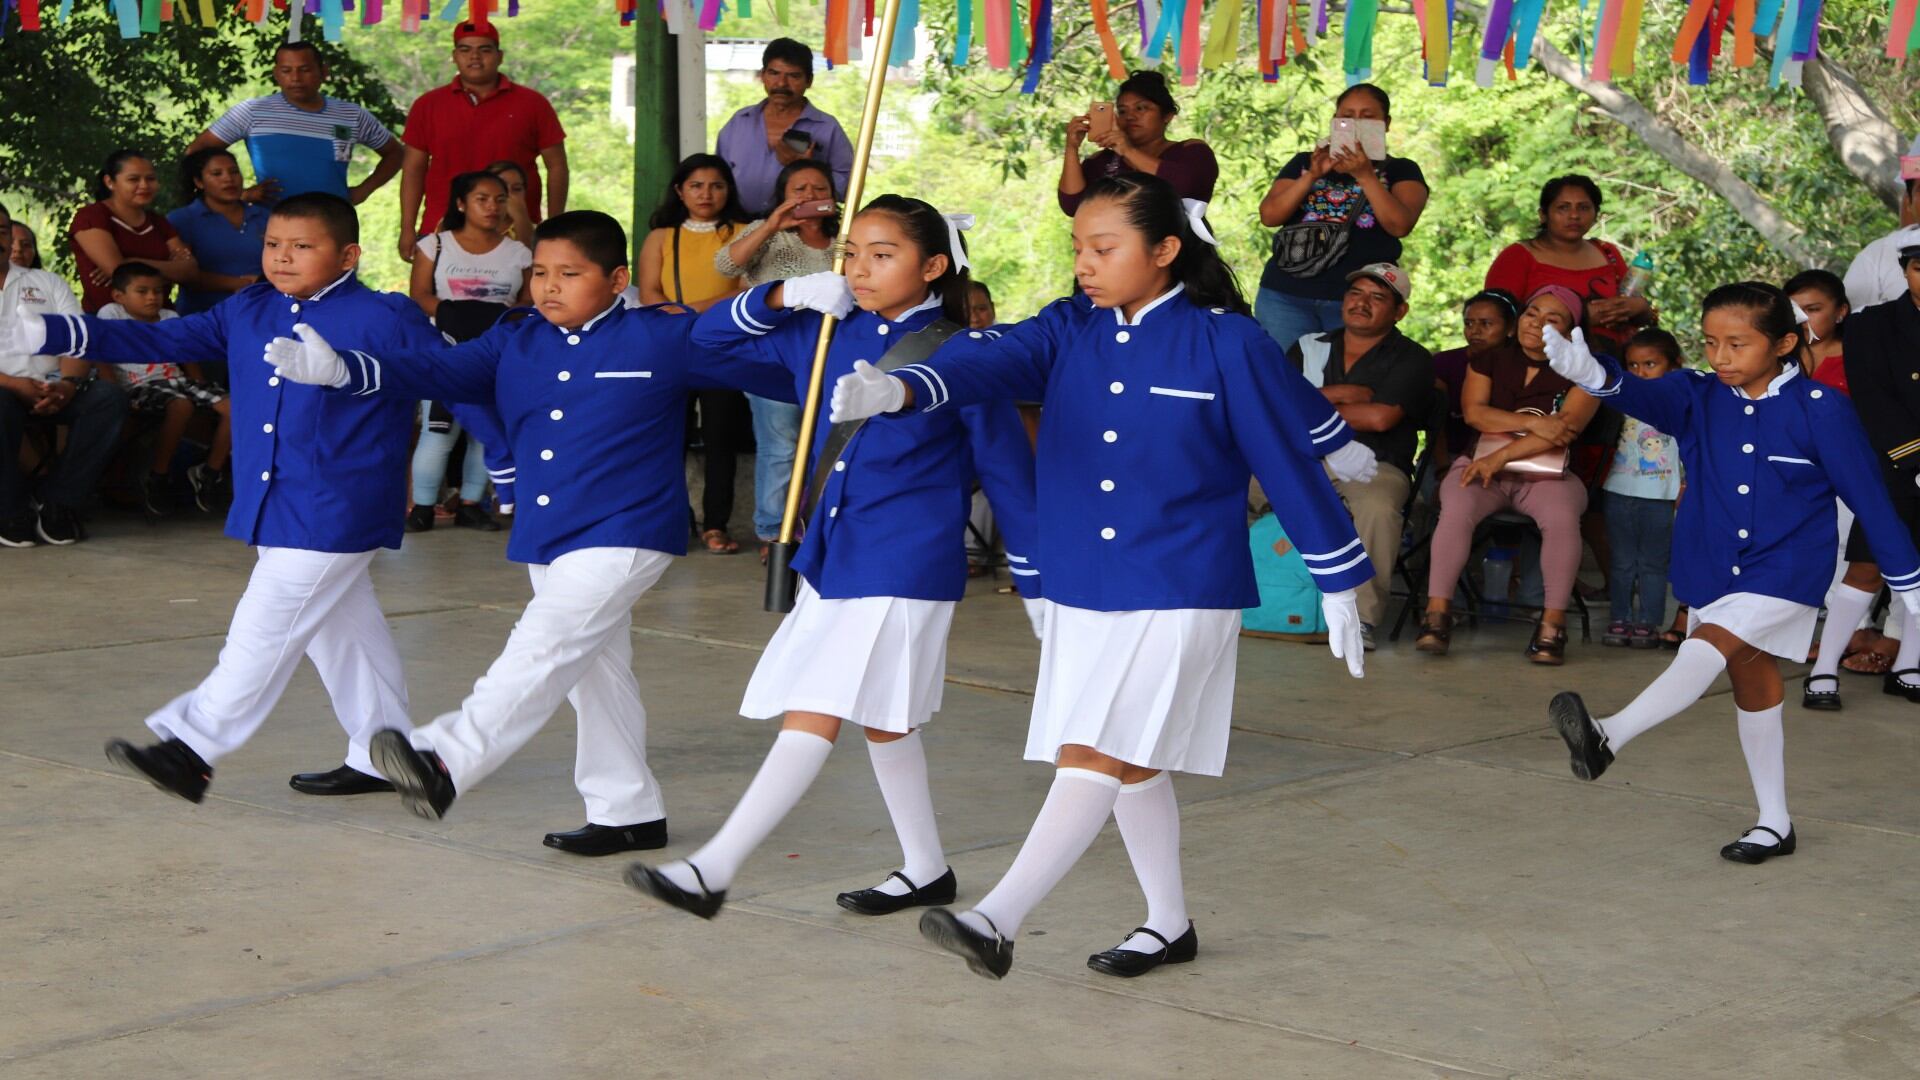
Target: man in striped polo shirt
301, 140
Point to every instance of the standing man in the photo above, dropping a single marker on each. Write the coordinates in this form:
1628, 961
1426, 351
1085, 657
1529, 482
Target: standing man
299, 139
760, 140
1874, 277
479, 118
1380, 381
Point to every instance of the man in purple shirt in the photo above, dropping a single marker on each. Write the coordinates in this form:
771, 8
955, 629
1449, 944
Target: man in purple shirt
760, 140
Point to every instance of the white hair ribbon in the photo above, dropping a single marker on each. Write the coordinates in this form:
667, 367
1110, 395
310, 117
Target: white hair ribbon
1197, 220
1800, 317
957, 224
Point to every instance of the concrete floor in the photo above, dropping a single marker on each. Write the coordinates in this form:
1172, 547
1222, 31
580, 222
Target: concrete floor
1396, 877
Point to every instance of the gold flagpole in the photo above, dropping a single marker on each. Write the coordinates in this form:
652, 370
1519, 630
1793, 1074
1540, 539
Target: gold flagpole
780, 589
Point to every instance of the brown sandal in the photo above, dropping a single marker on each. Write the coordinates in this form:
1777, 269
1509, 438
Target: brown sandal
1436, 633
718, 542
1550, 651
1867, 662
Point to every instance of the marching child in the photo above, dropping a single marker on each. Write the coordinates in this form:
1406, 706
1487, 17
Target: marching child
592, 396
1766, 450
316, 507
1162, 395
884, 560
174, 392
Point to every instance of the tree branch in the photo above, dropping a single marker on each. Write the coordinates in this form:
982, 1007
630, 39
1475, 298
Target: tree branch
1862, 136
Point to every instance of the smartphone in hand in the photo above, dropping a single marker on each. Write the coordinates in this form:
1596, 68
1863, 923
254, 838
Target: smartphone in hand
1099, 120
821, 209
797, 141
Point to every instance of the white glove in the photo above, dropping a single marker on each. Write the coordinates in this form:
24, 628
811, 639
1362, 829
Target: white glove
1353, 462
1037, 615
825, 292
1573, 359
22, 336
1911, 598
866, 391
1343, 629
309, 360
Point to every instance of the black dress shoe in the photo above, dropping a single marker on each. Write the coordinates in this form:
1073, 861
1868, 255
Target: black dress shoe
1585, 742
171, 766
1128, 964
1892, 685
989, 957
418, 775
345, 780
1820, 700
1742, 852
475, 516
704, 903
594, 839
940, 890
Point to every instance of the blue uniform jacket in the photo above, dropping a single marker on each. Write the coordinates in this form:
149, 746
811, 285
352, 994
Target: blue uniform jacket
311, 469
1762, 474
892, 520
596, 418
1151, 432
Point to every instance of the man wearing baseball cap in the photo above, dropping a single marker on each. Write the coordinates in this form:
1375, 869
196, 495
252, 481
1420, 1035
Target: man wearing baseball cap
1381, 383
479, 118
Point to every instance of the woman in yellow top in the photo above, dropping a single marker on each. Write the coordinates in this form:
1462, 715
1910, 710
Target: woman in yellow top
699, 217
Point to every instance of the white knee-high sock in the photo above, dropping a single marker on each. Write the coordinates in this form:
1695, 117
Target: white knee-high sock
1846, 606
789, 770
1077, 805
1694, 668
1149, 820
1764, 740
1909, 655
900, 765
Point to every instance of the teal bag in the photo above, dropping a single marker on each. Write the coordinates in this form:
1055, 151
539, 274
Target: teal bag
1289, 600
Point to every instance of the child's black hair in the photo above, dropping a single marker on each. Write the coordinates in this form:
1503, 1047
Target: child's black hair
1508, 304
598, 236
196, 163
131, 271
927, 228
1768, 307
984, 291
1154, 209
334, 213
455, 218
1827, 282
672, 212
1652, 337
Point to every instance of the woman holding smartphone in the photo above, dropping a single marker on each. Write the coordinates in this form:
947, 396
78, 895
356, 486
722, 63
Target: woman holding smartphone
1131, 132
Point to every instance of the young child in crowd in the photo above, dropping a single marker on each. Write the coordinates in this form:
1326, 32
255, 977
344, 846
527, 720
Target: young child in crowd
174, 393
1765, 450
1162, 395
1641, 486
319, 487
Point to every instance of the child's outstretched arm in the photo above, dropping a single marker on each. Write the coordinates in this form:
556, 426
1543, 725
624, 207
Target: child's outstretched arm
461, 374
973, 366
119, 341
773, 324
1853, 468
1666, 402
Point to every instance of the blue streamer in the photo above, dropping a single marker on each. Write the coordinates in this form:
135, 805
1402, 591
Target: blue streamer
331, 19
448, 13
129, 12
66, 10
1765, 16
1804, 29
1042, 46
1526, 26
963, 40
1700, 60
902, 53
1169, 24
6, 12
1783, 45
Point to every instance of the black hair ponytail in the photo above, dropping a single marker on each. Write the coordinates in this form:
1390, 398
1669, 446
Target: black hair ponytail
927, 228
1155, 210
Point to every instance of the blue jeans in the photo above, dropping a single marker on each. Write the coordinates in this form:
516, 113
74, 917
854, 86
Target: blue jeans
1287, 318
430, 463
1640, 532
776, 427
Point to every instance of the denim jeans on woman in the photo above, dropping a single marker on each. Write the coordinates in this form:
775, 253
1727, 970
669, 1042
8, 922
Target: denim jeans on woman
1287, 318
776, 426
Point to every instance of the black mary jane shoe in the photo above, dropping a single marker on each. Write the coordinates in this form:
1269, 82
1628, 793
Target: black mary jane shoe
345, 780
418, 775
940, 890
1586, 745
171, 766
1129, 964
594, 840
1754, 854
1820, 700
988, 957
705, 903
1891, 684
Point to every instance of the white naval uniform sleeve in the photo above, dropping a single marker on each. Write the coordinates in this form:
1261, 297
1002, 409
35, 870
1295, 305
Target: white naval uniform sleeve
1263, 415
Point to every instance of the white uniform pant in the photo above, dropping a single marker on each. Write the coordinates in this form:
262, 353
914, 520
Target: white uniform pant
574, 642
298, 603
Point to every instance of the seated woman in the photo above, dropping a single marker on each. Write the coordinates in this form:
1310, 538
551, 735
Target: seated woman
123, 225
1510, 390
1138, 143
1560, 253
23, 247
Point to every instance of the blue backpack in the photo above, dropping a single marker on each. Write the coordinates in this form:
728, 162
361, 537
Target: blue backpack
1289, 600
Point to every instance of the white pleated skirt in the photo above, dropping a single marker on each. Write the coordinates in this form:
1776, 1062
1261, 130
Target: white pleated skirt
1152, 688
877, 661
1767, 623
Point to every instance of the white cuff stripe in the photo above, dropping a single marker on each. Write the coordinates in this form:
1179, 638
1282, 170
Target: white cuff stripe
928, 373
1332, 555
1348, 565
1024, 573
747, 314
1011, 557
1318, 439
1325, 424
1891, 578
737, 310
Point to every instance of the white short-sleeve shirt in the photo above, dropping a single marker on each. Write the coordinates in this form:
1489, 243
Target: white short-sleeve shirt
33, 292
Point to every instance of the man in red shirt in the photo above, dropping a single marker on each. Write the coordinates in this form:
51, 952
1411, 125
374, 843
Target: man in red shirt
479, 118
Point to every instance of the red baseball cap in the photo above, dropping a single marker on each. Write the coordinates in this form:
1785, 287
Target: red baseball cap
476, 29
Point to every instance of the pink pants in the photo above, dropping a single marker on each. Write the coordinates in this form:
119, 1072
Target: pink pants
1554, 505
